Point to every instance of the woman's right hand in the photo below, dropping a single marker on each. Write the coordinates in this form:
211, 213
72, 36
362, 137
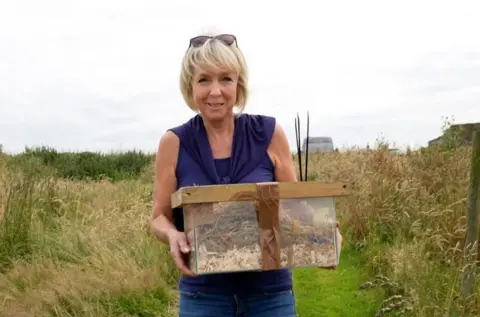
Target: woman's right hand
165, 184
177, 241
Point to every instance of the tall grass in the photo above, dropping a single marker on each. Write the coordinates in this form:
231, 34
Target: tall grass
407, 212
78, 248
83, 248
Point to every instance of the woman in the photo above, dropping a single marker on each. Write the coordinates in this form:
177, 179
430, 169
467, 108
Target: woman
219, 146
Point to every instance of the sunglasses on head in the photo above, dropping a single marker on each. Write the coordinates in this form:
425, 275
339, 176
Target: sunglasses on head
227, 39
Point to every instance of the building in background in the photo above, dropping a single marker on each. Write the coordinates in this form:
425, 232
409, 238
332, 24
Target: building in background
319, 144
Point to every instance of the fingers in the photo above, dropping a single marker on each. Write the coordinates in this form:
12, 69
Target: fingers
179, 260
339, 247
182, 242
178, 248
339, 244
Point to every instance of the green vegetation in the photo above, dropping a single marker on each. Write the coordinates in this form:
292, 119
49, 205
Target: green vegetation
75, 240
324, 293
89, 165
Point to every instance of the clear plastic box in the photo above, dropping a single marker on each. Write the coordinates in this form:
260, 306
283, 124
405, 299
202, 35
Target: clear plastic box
232, 236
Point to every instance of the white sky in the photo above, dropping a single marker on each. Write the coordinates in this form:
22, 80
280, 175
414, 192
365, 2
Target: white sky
103, 74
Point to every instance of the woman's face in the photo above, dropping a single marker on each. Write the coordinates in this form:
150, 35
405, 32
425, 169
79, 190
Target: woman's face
215, 92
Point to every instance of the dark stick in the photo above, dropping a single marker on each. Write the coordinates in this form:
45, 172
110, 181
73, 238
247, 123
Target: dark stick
306, 147
297, 128
299, 148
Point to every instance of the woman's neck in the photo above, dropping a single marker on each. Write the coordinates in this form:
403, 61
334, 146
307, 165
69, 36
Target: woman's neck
220, 129
220, 136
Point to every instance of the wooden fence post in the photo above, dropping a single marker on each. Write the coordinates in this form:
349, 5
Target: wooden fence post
471, 237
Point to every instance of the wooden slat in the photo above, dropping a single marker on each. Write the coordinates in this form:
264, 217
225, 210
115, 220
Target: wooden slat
241, 192
269, 225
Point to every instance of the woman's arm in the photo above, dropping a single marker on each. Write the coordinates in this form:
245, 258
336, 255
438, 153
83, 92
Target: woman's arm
164, 185
281, 156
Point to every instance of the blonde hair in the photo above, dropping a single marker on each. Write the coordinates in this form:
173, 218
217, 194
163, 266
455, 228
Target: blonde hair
216, 55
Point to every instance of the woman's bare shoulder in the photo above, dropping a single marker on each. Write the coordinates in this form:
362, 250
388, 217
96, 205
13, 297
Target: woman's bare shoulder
279, 151
279, 141
168, 139
167, 151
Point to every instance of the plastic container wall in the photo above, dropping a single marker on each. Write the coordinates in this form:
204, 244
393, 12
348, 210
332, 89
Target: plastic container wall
308, 230
225, 236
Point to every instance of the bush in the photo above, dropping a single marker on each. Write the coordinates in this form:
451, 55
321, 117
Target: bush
89, 165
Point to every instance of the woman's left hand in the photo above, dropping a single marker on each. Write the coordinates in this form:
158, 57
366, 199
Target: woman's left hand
303, 212
339, 247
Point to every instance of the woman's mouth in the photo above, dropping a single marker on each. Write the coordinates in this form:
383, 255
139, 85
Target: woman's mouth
215, 105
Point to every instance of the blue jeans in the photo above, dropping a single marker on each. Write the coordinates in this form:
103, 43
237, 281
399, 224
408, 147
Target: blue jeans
195, 304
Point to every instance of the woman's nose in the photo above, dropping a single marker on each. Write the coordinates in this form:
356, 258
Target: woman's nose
216, 89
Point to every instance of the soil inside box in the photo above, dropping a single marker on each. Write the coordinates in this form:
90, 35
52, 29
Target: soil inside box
227, 238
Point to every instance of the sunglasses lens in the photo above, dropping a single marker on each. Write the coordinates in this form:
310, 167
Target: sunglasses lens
227, 38
198, 41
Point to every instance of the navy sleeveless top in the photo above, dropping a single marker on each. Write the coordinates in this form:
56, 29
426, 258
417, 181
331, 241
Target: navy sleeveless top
249, 163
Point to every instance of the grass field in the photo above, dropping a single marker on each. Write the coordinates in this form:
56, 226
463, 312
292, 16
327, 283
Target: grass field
83, 248
324, 293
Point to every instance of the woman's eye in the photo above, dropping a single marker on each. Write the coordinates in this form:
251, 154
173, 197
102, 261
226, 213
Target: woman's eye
227, 79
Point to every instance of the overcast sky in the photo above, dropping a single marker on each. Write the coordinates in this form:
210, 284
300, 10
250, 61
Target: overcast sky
103, 74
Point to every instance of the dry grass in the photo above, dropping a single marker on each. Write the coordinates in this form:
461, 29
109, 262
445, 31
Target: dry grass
87, 253
83, 249
408, 213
